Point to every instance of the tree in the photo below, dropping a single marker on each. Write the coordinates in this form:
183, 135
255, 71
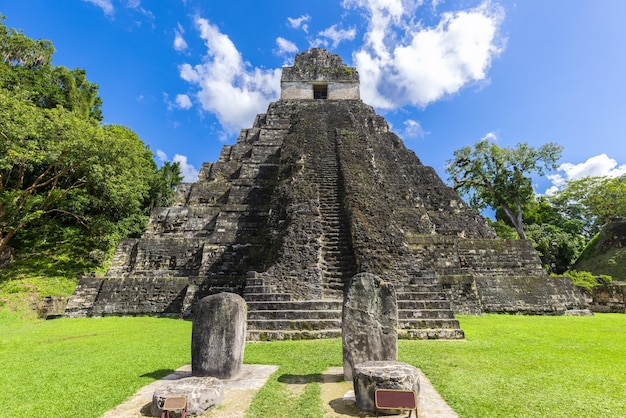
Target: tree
499, 177
592, 201
27, 71
61, 172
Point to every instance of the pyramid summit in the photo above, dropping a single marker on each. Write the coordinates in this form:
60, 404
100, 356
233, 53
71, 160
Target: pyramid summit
316, 191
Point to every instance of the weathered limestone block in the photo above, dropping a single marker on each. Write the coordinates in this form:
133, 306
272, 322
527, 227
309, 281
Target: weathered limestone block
218, 336
372, 375
202, 394
370, 319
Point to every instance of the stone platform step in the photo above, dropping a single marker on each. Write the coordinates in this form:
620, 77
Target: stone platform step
425, 314
415, 305
267, 297
296, 315
421, 296
431, 334
294, 324
427, 323
296, 305
276, 335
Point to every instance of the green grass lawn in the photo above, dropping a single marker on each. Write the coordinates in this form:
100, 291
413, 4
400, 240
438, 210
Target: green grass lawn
509, 366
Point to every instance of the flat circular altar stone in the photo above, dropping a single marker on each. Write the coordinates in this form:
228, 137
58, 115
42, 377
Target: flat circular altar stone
372, 375
202, 394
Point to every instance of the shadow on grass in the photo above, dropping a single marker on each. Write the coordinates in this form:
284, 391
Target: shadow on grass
298, 379
158, 374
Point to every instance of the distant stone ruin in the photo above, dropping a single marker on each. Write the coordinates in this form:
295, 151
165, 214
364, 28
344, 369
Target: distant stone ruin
316, 191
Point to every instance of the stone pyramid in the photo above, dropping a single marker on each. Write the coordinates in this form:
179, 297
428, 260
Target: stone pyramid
317, 190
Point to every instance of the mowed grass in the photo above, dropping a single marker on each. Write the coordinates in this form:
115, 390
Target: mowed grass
508, 366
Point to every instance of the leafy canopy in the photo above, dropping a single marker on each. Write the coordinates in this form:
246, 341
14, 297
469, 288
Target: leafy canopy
63, 175
499, 178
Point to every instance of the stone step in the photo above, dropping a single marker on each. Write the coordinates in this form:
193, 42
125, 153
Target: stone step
423, 304
425, 314
254, 282
313, 314
267, 297
421, 296
431, 334
296, 305
418, 288
259, 289
274, 335
287, 324
428, 323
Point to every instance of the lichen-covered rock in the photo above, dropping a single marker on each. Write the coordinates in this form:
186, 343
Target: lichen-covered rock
372, 375
203, 393
218, 336
370, 318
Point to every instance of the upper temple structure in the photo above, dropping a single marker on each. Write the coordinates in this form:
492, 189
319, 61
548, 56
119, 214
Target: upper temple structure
315, 192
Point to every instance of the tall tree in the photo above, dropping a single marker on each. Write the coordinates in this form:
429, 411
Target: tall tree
593, 201
60, 170
497, 177
26, 70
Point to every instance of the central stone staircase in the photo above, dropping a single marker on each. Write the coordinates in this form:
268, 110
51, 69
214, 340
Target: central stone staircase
423, 313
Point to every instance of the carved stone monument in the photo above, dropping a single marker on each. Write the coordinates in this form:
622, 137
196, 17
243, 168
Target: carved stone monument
370, 318
218, 336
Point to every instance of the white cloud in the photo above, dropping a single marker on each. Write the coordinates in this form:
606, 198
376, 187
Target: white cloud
133, 4
413, 129
404, 63
190, 174
105, 5
338, 35
183, 101
227, 86
599, 165
179, 42
490, 136
300, 22
161, 155
285, 46
188, 171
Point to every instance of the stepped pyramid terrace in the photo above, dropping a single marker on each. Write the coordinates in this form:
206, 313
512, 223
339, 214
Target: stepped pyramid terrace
316, 191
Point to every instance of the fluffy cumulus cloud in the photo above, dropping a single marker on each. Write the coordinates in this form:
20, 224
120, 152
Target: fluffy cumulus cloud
413, 129
285, 46
183, 101
300, 22
599, 165
105, 5
403, 62
226, 85
188, 171
337, 35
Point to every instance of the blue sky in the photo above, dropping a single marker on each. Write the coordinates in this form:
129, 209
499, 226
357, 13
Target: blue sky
187, 75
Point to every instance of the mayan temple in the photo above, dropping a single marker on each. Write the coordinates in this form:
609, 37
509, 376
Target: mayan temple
316, 191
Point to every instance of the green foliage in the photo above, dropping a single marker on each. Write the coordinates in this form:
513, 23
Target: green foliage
64, 178
585, 279
508, 366
26, 71
557, 248
16, 49
605, 253
592, 201
498, 178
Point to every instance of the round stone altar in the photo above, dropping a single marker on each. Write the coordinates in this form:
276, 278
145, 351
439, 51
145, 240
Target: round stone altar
372, 375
